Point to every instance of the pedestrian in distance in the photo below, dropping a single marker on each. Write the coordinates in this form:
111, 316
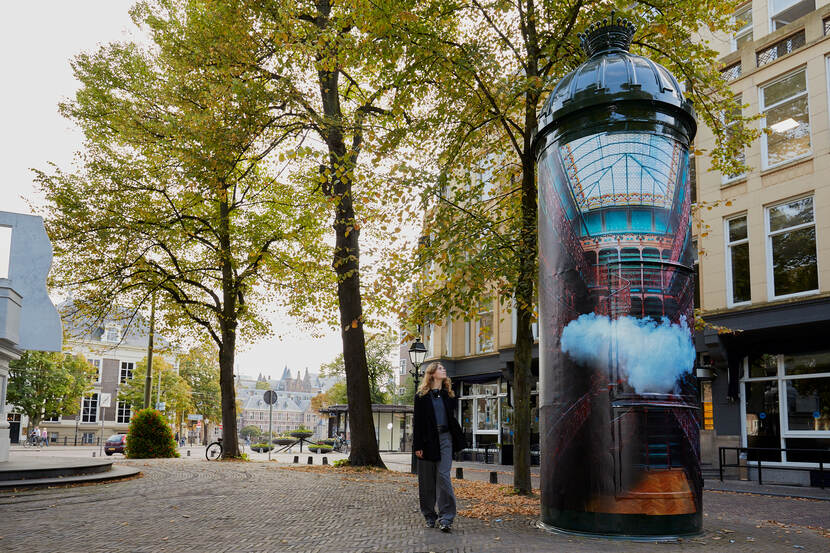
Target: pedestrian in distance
436, 436
45, 436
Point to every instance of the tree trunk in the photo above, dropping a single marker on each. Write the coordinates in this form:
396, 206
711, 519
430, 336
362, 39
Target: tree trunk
346, 263
227, 350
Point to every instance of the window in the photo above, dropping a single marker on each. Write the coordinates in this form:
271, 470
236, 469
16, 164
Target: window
514, 322
784, 12
743, 18
730, 121
732, 72
124, 411
97, 364
5, 250
429, 340
89, 408
448, 337
786, 404
737, 261
696, 265
787, 119
791, 248
781, 48
126, 371
484, 328
827, 26
403, 366
111, 334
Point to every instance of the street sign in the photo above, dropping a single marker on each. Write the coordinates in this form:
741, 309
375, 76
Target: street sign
270, 397
106, 400
195, 417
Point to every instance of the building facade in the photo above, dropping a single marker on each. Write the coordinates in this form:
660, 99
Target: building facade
114, 347
765, 243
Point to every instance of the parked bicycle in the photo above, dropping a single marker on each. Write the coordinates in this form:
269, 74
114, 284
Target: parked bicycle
214, 450
31, 441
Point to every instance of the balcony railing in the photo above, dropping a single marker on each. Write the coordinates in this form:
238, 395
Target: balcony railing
781, 48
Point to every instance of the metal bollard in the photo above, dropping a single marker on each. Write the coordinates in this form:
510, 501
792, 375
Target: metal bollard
296, 458
325, 460
494, 477
459, 473
93, 454
310, 460
64, 440
188, 453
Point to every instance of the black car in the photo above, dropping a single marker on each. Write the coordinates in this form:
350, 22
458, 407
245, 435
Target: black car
115, 444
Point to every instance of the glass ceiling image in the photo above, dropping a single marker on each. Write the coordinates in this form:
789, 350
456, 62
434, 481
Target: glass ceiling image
620, 169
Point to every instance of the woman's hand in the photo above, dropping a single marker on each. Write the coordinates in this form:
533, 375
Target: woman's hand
419, 454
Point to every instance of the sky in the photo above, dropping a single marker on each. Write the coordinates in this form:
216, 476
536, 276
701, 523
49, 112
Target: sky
38, 38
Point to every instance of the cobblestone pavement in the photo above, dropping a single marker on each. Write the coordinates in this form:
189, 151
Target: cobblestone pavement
181, 505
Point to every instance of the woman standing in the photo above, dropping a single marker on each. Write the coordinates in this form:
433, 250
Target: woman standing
436, 436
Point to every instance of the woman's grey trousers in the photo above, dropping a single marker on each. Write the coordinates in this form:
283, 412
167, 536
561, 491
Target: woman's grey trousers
434, 479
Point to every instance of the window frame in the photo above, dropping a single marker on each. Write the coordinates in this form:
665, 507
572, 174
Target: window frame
99, 368
92, 396
771, 14
117, 329
121, 379
746, 30
768, 246
492, 332
120, 408
727, 124
447, 337
763, 108
728, 258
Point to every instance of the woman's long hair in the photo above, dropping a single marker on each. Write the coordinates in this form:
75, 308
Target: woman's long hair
426, 384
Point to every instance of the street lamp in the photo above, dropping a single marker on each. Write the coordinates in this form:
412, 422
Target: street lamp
417, 354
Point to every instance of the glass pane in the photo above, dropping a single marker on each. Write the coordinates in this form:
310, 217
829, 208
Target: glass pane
506, 422
808, 404
763, 365
737, 229
743, 17
485, 329
791, 214
789, 124
822, 444
740, 273
5, 250
486, 414
810, 363
762, 420
789, 86
794, 261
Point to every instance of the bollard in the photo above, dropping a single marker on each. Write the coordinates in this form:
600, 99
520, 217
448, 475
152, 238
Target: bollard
64, 440
188, 453
459, 473
296, 458
310, 460
93, 454
494, 477
325, 460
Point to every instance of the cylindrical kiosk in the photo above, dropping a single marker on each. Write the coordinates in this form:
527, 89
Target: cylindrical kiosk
618, 397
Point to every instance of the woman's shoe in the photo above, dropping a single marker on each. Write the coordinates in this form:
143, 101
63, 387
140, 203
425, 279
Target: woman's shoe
444, 527
430, 524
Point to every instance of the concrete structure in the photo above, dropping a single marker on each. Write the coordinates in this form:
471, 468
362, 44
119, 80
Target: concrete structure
766, 243
28, 319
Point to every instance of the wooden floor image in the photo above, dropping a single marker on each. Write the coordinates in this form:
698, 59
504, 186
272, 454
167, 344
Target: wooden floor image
659, 492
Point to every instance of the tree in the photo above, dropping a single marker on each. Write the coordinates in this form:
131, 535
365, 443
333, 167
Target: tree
250, 432
200, 370
379, 348
48, 385
175, 392
173, 195
502, 63
336, 395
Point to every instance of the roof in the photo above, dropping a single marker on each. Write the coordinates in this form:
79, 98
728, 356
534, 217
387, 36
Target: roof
80, 326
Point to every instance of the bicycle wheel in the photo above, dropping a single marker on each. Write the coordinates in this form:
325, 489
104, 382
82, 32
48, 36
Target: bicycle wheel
213, 451
27, 443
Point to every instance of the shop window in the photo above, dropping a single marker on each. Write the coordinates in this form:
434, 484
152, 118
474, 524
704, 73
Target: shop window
804, 364
737, 261
762, 366
808, 404
786, 119
763, 426
706, 401
784, 12
791, 248
743, 19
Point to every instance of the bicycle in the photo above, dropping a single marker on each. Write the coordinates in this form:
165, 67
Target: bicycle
31, 441
214, 450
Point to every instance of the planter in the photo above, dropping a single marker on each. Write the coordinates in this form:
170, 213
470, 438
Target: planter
261, 448
284, 441
301, 433
320, 448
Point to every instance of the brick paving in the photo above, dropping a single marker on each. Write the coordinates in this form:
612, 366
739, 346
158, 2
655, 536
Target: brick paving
187, 505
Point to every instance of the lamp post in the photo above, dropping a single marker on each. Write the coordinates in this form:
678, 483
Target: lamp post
417, 354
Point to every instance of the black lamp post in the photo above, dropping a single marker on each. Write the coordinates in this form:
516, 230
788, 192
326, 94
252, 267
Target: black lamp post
417, 354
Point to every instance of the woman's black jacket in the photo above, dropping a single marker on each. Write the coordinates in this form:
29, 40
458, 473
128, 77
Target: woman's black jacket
425, 429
